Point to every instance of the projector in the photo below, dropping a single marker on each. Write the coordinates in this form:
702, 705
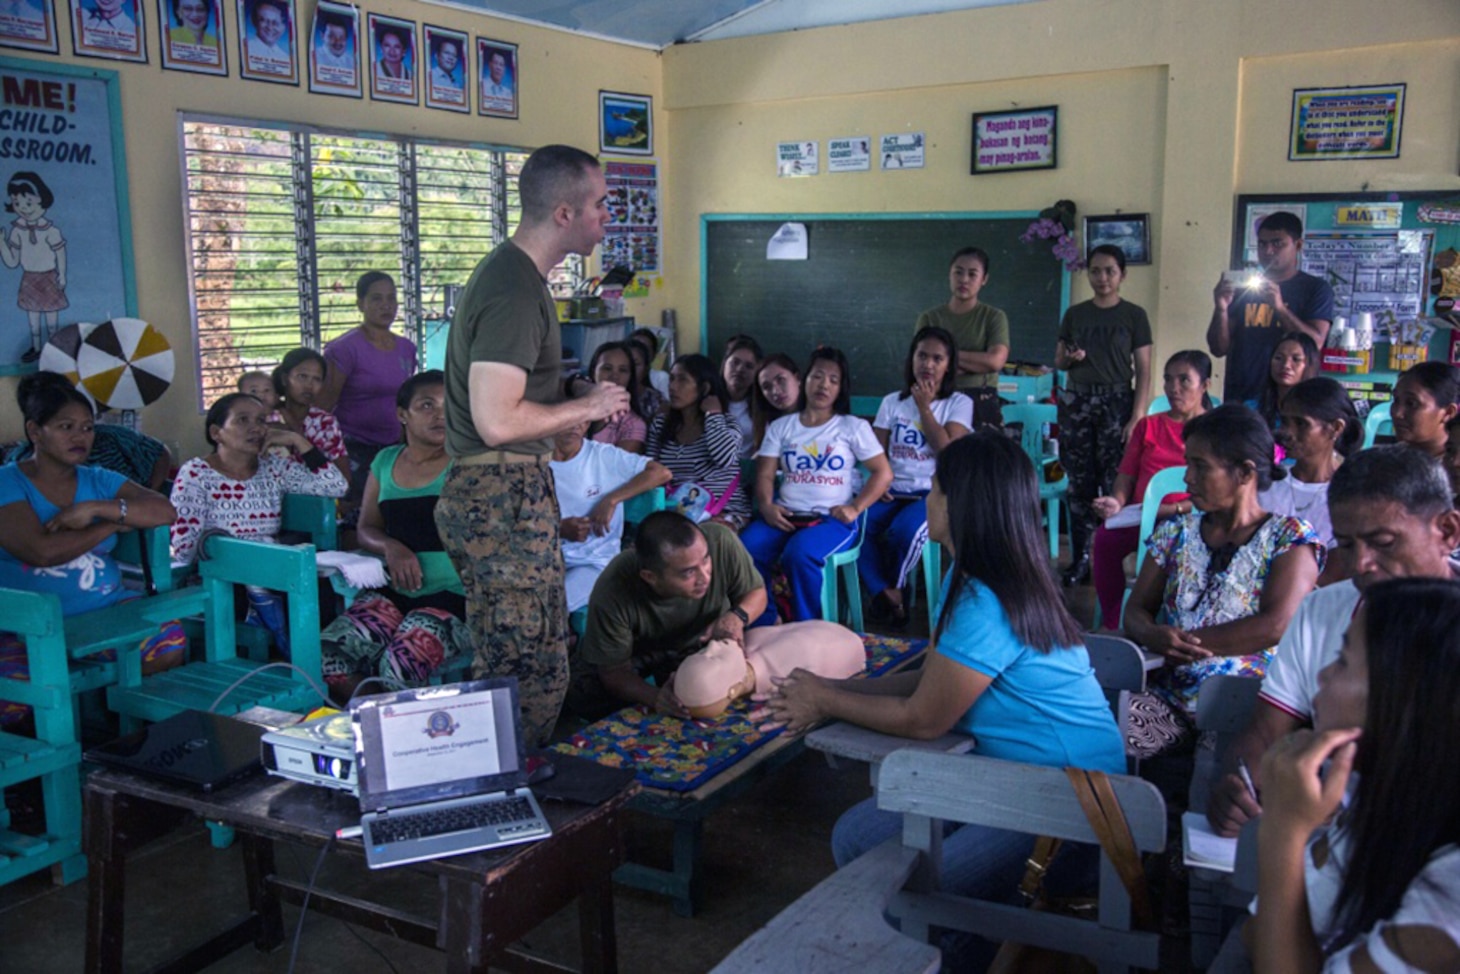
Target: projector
316, 752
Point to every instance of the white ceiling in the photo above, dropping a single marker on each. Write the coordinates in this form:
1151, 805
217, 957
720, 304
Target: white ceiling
660, 23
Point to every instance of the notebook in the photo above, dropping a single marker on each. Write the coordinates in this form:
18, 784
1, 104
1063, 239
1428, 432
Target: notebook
442, 772
195, 748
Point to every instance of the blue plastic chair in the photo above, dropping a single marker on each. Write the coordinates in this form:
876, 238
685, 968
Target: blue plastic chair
1032, 417
1377, 423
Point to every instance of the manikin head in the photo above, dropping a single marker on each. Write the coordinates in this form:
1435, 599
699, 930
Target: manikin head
712, 679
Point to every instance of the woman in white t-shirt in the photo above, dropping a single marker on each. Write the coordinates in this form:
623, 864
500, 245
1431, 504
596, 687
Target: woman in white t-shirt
1378, 887
816, 511
913, 426
1319, 428
737, 370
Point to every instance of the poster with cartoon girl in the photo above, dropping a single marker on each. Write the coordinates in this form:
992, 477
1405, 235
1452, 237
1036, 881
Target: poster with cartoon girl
38, 247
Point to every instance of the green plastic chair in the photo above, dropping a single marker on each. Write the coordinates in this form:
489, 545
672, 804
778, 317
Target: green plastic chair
1161, 404
312, 516
845, 564
1377, 423
53, 756
1031, 417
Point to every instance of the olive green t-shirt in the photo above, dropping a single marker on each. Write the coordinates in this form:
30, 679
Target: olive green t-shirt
506, 315
626, 618
977, 331
1109, 336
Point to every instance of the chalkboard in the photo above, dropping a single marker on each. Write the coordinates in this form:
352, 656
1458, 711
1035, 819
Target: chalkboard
864, 282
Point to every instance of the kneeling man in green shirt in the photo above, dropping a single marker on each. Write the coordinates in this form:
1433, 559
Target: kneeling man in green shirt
682, 585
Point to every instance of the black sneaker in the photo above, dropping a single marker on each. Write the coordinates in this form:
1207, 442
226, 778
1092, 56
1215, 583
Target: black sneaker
31, 355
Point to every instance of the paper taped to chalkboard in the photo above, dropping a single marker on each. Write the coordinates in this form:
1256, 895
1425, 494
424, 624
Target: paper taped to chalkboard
787, 243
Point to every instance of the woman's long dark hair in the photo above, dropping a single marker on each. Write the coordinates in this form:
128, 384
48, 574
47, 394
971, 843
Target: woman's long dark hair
843, 404
292, 360
936, 334
994, 524
1267, 403
762, 413
707, 380
1407, 804
1324, 400
632, 387
219, 412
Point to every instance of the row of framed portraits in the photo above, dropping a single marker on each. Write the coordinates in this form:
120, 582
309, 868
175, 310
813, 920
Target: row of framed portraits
400, 63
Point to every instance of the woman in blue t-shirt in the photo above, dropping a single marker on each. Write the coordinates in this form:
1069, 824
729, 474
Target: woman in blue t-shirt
1008, 665
61, 521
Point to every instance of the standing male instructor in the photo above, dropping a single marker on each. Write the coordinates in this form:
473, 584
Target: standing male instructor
498, 515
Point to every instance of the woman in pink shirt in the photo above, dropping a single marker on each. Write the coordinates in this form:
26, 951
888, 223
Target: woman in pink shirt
1155, 443
366, 367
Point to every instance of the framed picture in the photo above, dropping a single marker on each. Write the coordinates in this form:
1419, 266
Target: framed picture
192, 36
1131, 232
334, 50
497, 78
625, 124
29, 25
446, 67
266, 41
1346, 123
1015, 141
392, 59
108, 28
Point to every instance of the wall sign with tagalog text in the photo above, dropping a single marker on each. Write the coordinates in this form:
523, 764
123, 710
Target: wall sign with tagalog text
1014, 141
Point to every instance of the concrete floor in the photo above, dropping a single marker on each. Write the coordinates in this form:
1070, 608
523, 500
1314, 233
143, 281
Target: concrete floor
760, 854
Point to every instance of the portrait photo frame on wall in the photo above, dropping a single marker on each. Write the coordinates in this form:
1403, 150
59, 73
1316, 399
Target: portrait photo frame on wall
1131, 232
111, 29
29, 25
625, 124
498, 78
393, 59
446, 68
334, 50
267, 41
192, 36
1015, 141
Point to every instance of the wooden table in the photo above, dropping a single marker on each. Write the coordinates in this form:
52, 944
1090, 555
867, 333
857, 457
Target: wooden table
487, 900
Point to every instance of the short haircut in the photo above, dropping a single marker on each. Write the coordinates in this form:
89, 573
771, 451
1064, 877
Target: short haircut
1399, 474
661, 533
368, 280
292, 360
976, 252
278, 5
1237, 436
648, 335
417, 382
29, 182
552, 176
1282, 222
253, 374
1111, 251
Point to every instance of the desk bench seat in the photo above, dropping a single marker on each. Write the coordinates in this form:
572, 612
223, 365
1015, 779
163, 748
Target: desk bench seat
840, 925
125, 625
197, 685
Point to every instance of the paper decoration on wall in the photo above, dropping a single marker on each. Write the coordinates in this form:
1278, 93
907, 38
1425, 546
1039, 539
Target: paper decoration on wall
124, 363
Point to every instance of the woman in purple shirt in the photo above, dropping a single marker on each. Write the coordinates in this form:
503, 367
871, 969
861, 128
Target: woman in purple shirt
366, 367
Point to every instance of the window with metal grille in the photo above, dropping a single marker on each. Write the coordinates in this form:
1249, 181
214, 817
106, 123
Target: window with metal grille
282, 220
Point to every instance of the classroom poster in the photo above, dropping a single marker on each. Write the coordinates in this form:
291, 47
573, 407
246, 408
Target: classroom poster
28, 24
1015, 141
392, 59
65, 243
1372, 271
334, 50
447, 69
853, 154
797, 159
1346, 123
902, 151
192, 36
633, 238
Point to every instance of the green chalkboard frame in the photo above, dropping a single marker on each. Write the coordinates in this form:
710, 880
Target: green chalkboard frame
865, 404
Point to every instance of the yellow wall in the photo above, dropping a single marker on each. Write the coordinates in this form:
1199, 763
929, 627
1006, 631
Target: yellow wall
562, 75
1166, 106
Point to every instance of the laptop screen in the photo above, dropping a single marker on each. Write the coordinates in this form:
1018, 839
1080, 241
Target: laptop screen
434, 743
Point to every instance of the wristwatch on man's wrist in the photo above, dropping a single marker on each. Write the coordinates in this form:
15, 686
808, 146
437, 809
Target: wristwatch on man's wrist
744, 616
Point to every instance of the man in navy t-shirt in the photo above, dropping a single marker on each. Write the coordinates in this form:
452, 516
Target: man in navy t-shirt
1247, 325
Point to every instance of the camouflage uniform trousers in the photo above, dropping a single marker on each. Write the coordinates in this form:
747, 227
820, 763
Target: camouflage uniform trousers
1090, 451
499, 524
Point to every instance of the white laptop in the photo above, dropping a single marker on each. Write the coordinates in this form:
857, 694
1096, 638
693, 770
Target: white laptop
442, 772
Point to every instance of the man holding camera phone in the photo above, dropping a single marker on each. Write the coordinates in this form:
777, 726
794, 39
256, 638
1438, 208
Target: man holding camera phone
1249, 321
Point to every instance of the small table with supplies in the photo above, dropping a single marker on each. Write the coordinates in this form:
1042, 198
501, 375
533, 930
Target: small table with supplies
487, 900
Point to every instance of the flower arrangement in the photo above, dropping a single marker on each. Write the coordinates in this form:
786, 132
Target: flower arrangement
1057, 223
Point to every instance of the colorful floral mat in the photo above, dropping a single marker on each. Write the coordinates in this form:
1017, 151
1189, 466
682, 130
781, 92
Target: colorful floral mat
681, 755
